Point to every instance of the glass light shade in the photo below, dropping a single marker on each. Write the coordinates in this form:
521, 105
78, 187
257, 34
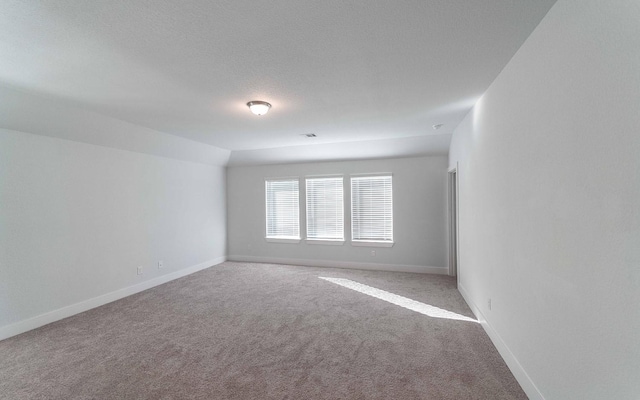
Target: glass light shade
259, 107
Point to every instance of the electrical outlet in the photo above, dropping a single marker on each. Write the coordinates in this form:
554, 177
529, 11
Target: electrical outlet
373, 253
139, 270
160, 264
489, 303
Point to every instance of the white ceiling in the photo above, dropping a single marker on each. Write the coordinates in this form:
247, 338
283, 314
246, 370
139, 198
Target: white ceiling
348, 71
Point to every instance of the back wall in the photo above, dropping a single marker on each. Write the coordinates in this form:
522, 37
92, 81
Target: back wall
419, 194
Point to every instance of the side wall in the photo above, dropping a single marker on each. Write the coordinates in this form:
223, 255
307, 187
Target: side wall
549, 167
76, 220
419, 190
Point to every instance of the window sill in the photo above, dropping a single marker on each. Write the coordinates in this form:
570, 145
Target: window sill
327, 242
282, 240
371, 243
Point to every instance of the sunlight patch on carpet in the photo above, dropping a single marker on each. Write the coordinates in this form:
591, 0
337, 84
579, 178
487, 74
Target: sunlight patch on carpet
409, 304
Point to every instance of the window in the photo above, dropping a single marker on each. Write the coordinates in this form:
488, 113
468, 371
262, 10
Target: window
372, 209
283, 215
325, 209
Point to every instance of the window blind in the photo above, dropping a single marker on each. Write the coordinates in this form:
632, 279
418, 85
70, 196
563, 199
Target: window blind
325, 208
372, 208
283, 215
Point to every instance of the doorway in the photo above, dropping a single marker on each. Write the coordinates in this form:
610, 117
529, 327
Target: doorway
454, 268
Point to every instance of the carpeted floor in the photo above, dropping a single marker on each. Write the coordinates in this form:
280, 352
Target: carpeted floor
261, 331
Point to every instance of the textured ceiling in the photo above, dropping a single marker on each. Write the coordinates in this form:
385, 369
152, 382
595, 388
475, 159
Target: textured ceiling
347, 71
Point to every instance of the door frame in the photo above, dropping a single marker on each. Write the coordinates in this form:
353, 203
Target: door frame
453, 206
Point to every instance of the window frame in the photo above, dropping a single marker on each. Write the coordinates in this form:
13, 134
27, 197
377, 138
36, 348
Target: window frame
281, 239
325, 240
371, 242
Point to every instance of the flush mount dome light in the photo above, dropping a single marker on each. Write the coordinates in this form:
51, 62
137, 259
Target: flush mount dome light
259, 107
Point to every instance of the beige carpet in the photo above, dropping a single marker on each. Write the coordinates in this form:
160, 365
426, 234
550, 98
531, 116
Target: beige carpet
260, 331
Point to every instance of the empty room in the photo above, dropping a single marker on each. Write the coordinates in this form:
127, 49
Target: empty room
412, 199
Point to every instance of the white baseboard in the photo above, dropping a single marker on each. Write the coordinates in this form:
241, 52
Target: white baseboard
530, 388
73, 309
343, 264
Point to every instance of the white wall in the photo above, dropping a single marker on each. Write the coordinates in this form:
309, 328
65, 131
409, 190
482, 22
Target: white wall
549, 204
415, 146
419, 186
77, 219
56, 117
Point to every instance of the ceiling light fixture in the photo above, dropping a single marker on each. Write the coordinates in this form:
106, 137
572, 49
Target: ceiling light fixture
259, 107
437, 126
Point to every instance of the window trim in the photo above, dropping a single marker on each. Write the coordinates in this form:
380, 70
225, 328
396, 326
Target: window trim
280, 239
372, 242
320, 240
327, 242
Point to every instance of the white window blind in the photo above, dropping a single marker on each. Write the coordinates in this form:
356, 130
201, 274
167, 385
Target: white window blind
372, 208
283, 210
325, 208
